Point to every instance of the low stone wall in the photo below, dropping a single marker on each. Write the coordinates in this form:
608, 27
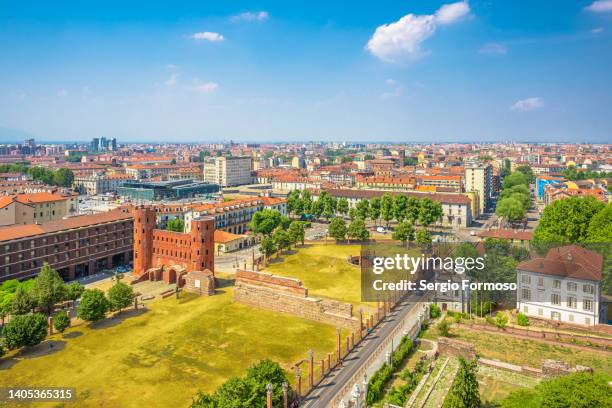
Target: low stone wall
288, 295
456, 348
555, 368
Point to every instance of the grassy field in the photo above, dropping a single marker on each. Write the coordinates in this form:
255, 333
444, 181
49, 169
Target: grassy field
495, 384
324, 270
161, 357
531, 352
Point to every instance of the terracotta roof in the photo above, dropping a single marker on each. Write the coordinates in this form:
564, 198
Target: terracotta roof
225, 237
29, 230
507, 234
32, 198
569, 261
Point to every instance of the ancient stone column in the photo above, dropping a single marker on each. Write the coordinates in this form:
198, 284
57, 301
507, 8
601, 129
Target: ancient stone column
360, 323
329, 361
322, 367
298, 382
352, 340
347, 345
268, 395
310, 368
50, 325
285, 395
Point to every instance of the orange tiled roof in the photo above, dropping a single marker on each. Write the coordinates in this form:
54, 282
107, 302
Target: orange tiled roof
225, 237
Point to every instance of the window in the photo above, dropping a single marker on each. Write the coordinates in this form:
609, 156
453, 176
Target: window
555, 299
555, 315
587, 304
571, 318
525, 279
525, 309
572, 286
557, 284
571, 302
588, 289
540, 312
540, 281
526, 294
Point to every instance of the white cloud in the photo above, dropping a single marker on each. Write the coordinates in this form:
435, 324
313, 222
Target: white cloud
600, 6
449, 13
208, 87
250, 16
597, 30
172, 80
62, 93
529, 104
403, 38
207, 36
493, 48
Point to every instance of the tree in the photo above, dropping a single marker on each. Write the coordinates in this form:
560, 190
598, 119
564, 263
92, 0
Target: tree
567, 220
429, 212
317, 207
22, 302
25, 330
363, 209
120, 296
292, 202
281, 239
63, 177
386, 208
352, 214
411, 161
515, 179
176, 225
267, 247
400, 204
296, 232
600, 227
74, 290
48, 289
413, 207
94, 305
511, 209
527, 172
404, 232
337, 229
423, 238
464, 391
247, 391
374, 213
434, 311
265, 221
284, 222
581, 389
342, 206
61, 321
357, 230
444, 328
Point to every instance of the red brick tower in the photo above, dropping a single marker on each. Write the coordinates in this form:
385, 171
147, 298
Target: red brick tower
144, 224
202, 244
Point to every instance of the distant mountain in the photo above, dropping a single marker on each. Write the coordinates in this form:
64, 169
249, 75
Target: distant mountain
9, 135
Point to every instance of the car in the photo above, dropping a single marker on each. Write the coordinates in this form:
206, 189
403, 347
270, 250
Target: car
472, 233
382, 230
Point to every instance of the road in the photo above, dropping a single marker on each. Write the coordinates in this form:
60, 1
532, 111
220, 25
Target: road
335, 381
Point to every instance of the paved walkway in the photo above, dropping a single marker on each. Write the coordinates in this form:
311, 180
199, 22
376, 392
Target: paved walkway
366, 357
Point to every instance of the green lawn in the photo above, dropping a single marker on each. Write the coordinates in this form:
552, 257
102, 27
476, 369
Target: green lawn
324, 270
495, 384
160, 358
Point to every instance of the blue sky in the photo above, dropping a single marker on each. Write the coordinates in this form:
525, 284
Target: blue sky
401, 71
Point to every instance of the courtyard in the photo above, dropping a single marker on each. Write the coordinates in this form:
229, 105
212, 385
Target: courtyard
162, 355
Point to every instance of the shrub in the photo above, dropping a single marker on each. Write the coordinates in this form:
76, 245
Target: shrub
377, 383
444, 328
501, 320
522, 319
61, 321
434, 311
94, 305
25, 330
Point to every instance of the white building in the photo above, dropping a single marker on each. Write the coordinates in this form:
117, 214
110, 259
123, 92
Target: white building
228, 171
479, 178
564, 286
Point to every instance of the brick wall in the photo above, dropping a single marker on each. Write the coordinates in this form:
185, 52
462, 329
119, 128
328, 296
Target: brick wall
456, 348
288, 295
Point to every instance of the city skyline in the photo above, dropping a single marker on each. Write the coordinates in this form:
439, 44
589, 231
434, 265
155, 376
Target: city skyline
272, 72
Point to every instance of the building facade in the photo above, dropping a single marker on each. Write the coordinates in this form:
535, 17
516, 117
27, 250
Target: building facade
564, 286
479, 177
75, 247
228, 171
36, 208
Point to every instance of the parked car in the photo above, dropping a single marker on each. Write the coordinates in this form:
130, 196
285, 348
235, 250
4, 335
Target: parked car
382, 230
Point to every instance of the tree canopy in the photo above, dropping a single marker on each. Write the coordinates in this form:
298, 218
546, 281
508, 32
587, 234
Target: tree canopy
337, 229
567, 220
176, 225
93, 306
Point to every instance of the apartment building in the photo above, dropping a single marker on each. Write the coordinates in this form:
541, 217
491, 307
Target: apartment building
479, 178
228, 171
100, 184
74, 247
36, 207
563, 286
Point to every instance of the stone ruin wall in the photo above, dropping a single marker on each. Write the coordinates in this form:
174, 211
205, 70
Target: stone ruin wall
288, 295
